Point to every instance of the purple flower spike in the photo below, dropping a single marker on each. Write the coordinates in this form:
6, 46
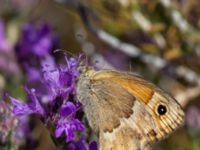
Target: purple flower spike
35, 46
35, 41
32, 107
55, 98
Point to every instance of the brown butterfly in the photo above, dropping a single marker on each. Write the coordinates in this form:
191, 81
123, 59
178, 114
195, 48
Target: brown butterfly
126, 111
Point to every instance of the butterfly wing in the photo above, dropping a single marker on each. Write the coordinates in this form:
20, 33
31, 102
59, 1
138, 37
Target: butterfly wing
150, 98
120, 107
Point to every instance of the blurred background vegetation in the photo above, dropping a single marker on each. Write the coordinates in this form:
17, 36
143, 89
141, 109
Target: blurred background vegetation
158, 39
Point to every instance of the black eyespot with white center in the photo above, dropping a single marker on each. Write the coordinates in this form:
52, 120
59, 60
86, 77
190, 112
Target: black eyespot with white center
162, 109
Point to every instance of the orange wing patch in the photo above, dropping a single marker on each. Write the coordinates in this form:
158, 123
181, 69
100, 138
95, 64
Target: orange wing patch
140, 91
138, 87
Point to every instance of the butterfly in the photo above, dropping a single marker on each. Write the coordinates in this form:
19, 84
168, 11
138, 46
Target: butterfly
126, 111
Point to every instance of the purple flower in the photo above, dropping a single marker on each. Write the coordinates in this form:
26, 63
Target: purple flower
57, 106
61, 80
32, 107
35, 46
14, 130
33, 74
34, 41
67, 123
33, 50
81, 144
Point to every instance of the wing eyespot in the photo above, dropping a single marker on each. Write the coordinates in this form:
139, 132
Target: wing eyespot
161, 109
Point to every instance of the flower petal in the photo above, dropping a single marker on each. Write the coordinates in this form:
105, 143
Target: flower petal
69, 126
20, 108
35, 104
59, 130
23, 108
93, 146
69, 134
67, 109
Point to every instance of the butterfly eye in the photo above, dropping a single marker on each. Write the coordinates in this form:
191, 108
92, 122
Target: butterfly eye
162, 109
